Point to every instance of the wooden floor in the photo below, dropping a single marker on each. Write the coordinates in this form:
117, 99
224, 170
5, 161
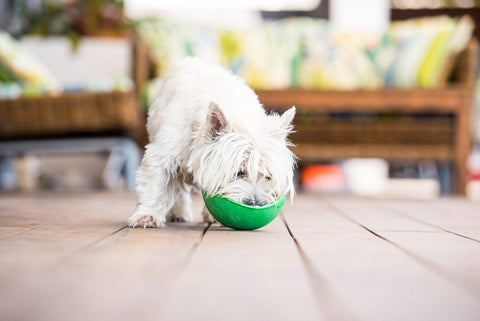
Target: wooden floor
70, 257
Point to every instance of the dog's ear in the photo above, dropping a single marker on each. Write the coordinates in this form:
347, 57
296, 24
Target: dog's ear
216, 119
287, 118
282, 125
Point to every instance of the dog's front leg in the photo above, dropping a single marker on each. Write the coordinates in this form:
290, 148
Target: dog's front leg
155, 190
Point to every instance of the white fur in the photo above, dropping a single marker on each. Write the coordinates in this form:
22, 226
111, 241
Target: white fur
205, 126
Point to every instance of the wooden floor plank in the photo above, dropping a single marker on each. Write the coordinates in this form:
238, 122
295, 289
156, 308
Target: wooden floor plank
50, 228
372, 278
45, 248
20, 210
244, 275
451, 216
125, 276
450, 256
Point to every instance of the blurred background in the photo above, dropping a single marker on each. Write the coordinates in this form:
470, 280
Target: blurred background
387, 92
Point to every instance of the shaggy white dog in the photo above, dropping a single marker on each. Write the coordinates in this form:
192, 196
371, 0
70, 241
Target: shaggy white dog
207, 129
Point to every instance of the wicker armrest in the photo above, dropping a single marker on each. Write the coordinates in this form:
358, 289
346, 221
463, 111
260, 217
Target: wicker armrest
75, 113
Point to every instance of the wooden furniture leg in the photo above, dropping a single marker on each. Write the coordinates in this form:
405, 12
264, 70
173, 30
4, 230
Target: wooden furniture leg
462, 147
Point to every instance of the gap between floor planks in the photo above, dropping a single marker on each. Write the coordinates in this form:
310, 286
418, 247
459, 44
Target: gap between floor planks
331, 306
7, 233
461, 249
445, 226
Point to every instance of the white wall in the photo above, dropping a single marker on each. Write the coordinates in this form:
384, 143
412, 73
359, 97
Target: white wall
360, 16
94, 58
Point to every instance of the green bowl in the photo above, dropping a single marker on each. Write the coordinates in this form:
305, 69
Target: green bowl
240, 216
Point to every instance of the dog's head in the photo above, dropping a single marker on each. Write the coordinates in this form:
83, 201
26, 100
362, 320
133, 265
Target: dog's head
251, 164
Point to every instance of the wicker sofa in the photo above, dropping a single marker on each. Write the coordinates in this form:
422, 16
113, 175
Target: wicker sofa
399, 135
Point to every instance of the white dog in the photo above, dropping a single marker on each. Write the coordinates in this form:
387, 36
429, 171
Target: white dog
207, 129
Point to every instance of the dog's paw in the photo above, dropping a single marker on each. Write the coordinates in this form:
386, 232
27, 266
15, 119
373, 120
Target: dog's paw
145, 220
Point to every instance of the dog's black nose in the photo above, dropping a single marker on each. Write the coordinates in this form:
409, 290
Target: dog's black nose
253, 202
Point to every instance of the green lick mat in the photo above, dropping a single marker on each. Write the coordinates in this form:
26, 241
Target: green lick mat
240, 216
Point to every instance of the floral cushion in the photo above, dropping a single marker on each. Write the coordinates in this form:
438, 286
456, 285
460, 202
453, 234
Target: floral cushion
308, 53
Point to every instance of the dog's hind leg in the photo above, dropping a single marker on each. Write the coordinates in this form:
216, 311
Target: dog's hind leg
155, 189
182, 208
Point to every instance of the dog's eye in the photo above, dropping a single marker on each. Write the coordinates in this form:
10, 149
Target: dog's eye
268, 178
241, 174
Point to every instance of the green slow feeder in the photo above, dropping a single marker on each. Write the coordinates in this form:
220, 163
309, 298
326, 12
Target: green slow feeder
240, 216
